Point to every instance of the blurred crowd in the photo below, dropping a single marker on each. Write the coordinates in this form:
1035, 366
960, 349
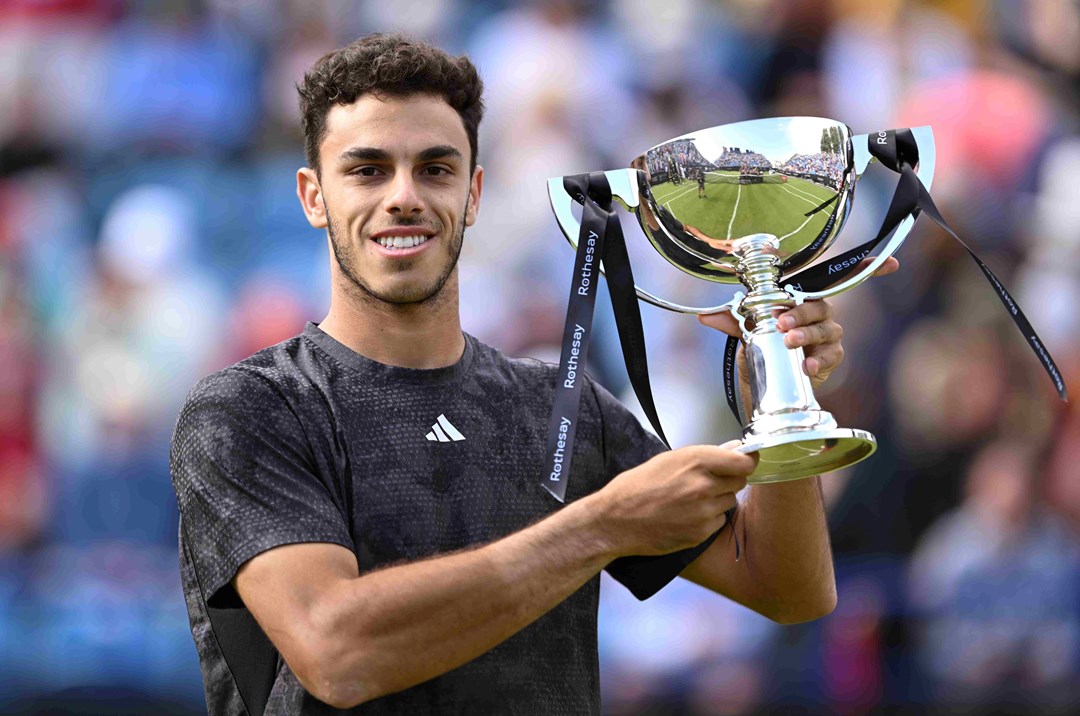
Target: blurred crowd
736, 158
150, 234
673, 158
820, 164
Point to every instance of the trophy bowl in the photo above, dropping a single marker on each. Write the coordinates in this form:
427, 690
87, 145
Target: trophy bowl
792, 178
751, 203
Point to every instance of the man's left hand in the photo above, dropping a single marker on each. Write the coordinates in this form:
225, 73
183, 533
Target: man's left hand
809, 325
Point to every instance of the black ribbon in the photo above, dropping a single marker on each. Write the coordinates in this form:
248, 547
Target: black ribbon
601, 238
898, 150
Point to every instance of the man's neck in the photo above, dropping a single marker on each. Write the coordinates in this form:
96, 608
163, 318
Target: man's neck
411, 336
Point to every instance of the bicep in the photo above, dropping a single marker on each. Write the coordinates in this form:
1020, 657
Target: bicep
289, 590
723, 568
715, 568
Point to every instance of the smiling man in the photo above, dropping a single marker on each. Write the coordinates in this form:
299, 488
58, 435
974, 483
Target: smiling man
362, 521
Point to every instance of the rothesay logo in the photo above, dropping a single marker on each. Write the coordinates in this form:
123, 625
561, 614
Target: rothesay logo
443, 432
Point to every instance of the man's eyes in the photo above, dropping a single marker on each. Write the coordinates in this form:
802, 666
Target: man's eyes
372, 171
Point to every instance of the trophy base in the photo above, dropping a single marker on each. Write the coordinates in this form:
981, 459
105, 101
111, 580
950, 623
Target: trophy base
804, 453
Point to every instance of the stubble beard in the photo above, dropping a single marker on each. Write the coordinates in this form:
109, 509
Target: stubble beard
345, 255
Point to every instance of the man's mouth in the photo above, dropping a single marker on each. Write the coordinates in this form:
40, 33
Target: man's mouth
400, 242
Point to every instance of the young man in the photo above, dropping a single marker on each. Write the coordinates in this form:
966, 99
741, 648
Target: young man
401, 574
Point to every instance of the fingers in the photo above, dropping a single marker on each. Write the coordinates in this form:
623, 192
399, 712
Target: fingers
816, 334
722, 321
890, 265
810, 324
722, 461
805, 314
807, 324
823, 360
718, 505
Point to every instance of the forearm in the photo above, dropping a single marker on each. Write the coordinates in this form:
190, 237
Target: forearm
392, 629
788, 557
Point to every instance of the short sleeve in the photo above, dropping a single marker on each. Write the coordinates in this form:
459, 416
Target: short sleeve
627, 444
244, 475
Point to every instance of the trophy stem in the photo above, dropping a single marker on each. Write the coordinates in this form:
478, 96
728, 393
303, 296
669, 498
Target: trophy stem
781, 395
793, 435
759, 271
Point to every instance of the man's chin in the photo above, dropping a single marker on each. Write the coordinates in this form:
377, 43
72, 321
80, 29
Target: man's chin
404, 295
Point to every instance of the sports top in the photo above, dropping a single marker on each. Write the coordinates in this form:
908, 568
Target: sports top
309, 441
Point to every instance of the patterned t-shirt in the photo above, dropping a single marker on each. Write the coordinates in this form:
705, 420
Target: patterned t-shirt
308, 441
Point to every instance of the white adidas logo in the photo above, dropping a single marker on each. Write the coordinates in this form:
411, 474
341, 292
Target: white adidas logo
444, 432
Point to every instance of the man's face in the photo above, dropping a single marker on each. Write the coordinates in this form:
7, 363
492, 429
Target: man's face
395, 194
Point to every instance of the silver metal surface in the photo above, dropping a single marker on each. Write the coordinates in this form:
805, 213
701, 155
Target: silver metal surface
794, 437
791, 177
925, 171
702, 254
794, 456
750, 203
624, 185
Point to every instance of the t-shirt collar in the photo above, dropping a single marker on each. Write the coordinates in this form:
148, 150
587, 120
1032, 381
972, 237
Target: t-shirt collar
373, 369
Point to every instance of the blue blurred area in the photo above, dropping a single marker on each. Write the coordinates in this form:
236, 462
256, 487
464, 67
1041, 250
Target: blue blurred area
150, 234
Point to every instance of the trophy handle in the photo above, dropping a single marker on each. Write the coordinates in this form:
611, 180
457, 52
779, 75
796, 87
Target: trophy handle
924, 138
624, 187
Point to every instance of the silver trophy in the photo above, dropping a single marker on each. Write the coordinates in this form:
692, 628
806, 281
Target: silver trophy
751, 203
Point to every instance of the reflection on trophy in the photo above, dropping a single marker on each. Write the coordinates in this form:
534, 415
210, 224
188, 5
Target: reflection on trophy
752, 203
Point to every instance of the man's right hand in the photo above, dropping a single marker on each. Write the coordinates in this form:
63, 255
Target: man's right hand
674, 501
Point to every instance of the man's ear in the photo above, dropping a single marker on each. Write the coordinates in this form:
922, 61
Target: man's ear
476, 187
309, 190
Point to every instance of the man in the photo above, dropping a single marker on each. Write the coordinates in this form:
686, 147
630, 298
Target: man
700, 183
369, 491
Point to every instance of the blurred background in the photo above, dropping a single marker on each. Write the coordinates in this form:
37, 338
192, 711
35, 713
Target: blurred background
150, 234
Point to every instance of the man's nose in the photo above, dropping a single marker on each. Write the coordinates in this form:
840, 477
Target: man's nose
403, 195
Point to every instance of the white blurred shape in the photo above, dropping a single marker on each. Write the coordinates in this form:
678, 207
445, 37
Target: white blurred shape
658, 27
1057, 218
861, 68
1053, 265
936, 46
146, 233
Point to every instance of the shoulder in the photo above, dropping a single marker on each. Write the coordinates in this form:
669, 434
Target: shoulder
276, 369
242, 423
261, 389
232, 387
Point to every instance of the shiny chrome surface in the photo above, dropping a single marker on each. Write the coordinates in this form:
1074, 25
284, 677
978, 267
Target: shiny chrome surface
794, 456
791, 177
645, 260
794, 437
655, 268
773, 195
924, 137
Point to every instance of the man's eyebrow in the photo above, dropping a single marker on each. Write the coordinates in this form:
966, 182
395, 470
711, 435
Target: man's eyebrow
364, 154
374, 154
441, 151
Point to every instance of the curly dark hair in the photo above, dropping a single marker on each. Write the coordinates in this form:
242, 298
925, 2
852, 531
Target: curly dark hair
387, 65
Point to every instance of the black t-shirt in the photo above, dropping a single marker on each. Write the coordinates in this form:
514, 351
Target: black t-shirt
308, 441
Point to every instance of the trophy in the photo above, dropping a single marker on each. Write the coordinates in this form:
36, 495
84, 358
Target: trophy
751, 204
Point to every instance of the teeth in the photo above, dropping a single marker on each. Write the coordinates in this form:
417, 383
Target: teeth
401, 242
